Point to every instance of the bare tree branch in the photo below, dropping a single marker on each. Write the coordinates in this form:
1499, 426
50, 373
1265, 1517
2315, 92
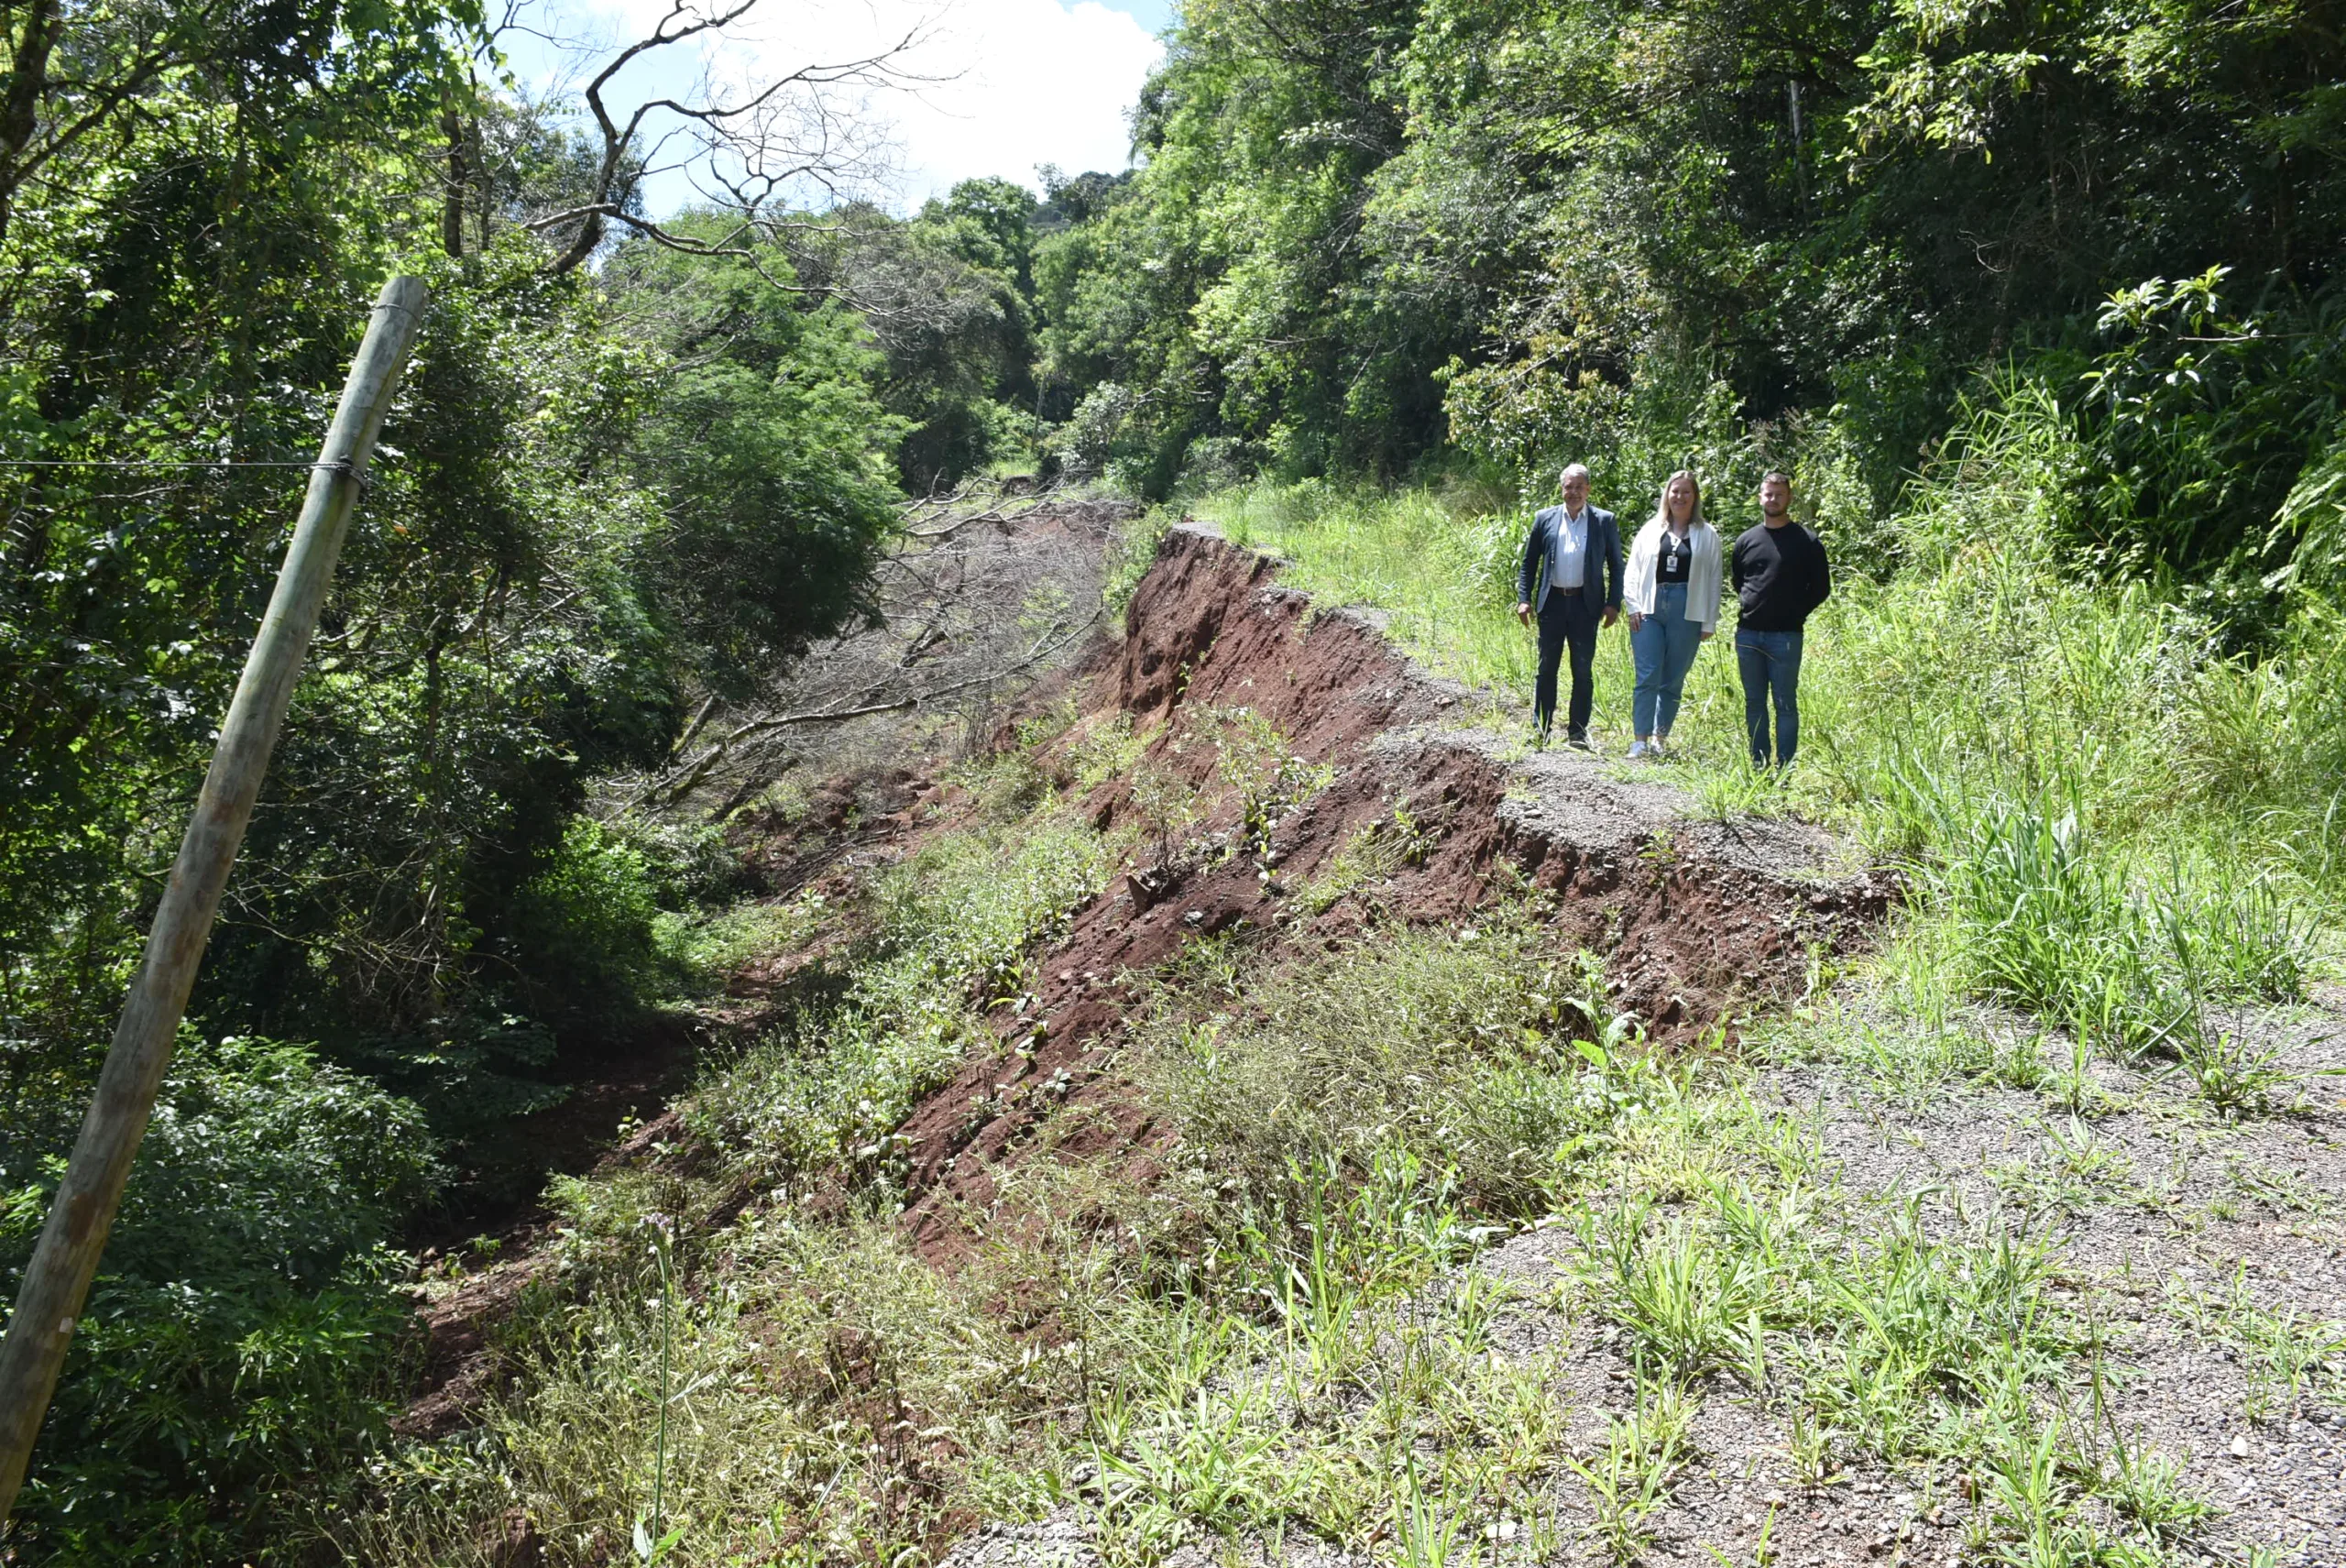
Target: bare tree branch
762, 145
984, 593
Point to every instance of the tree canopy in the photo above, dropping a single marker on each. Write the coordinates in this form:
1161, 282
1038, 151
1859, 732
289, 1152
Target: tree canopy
1363, 235
641, 464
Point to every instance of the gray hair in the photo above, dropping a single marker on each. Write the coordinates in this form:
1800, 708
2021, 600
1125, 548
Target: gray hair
1570, 470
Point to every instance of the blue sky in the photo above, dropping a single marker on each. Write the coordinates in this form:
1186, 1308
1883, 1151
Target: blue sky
1014, 83
1154, 17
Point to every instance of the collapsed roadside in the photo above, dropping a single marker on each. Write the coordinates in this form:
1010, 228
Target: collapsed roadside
1125, 1128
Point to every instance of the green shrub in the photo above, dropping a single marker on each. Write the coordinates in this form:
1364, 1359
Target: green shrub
1453, 1046
245, 1334
586, 927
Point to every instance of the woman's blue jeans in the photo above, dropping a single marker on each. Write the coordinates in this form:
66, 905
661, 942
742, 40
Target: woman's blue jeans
1662, 649
1769, 664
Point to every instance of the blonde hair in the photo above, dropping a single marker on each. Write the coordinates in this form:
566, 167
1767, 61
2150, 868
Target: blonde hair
1662, 502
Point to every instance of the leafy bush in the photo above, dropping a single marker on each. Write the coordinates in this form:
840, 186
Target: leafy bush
1452, 1046
586, 932
955, 923
245, 1334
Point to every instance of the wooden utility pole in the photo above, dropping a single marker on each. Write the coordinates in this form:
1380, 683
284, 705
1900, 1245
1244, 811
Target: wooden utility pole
57, 1280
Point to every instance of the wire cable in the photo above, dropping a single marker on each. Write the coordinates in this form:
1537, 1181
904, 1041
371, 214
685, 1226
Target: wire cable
155, 463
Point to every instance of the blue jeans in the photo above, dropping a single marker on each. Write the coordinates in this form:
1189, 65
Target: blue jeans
1662, 650
1769, 664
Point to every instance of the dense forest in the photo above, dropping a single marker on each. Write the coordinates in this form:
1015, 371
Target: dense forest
1365, 237
643, 461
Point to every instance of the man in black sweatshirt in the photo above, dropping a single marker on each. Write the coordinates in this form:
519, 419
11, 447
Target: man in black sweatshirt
1781, 575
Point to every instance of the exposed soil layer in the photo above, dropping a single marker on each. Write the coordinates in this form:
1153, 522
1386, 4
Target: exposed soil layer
1698, 920
1407, 812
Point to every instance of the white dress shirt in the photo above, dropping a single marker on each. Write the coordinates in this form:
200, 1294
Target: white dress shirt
1568, 553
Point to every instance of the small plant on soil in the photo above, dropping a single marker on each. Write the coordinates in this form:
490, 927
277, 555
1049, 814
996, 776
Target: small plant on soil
1168, 806
2235, 1077
2073, 1170
1629, 1478
2286, 1354
1427, 1535
1102, 749
1253, 762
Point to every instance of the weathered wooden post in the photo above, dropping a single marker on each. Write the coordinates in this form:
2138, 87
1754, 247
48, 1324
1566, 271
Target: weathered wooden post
56, 1281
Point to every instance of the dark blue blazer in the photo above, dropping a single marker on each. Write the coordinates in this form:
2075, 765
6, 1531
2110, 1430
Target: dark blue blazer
1603, 555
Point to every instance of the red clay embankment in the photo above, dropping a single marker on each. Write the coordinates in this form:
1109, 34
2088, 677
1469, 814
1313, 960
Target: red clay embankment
1698, 920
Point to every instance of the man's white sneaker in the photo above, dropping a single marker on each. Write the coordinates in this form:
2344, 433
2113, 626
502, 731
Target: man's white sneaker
1638, 749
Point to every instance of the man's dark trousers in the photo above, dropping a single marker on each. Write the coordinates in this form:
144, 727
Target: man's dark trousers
1568, 620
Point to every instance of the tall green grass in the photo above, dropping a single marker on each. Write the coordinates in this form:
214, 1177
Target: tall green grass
1441, 563
2123, 821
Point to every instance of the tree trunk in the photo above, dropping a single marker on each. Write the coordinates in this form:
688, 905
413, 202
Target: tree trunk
20, 104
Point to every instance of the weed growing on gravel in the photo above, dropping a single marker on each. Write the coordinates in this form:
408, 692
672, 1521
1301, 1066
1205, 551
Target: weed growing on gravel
1907, 1060
1690, 1307
2142, 1486
2234, 1077
2282, 1191
2286, 1355
1428, 1536
1629, 1478
1724, 792
1364, 1405
2074, 1169
1869, 1334
1212, 1465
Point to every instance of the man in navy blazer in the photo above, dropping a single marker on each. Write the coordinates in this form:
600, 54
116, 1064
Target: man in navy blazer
1571, 581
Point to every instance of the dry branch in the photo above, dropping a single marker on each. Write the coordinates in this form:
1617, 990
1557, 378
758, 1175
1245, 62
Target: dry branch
764, 145
982, 592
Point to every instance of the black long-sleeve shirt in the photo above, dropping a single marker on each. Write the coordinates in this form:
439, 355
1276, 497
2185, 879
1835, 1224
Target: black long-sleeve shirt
1780, 576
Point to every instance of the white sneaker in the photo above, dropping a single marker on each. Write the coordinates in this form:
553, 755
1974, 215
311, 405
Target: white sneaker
1653, 747
1637, 749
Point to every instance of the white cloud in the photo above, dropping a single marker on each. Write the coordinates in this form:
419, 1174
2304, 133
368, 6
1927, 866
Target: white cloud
1044, 84
1013, 82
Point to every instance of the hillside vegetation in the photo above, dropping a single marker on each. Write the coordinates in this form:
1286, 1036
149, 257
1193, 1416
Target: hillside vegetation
2004, 1233
2013, 1242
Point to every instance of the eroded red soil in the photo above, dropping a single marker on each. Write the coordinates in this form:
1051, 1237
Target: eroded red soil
1697, 921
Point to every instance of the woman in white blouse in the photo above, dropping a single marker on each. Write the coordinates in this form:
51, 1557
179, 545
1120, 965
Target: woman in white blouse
1671, 593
